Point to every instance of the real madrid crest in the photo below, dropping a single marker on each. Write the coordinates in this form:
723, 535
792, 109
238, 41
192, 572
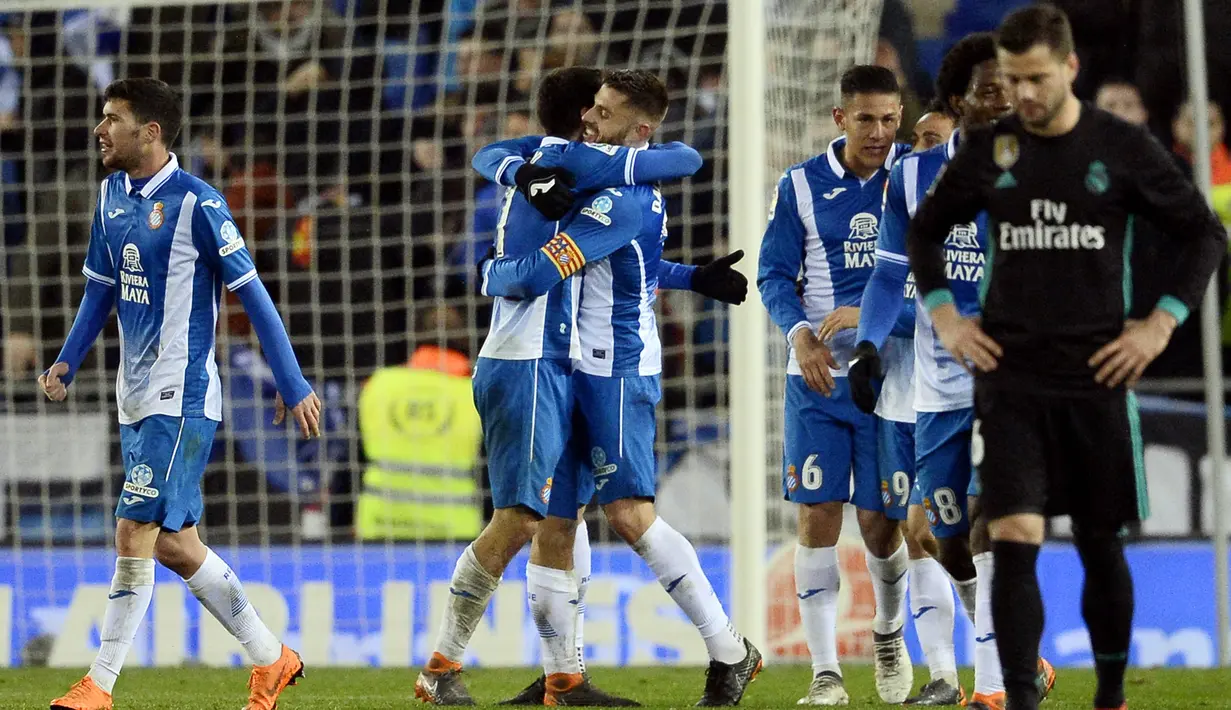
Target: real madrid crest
1006, 151
156, 216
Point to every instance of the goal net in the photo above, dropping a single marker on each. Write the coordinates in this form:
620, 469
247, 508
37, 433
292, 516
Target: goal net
340, 132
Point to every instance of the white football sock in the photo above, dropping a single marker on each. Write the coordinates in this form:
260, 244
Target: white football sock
816, 586
968, 591
988, 676
581, 572
132, 588
931, 606
553, 603
675, 563
469, 591
218, 589
889, 587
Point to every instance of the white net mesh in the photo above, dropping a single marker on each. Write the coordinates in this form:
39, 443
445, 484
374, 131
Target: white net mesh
340, 132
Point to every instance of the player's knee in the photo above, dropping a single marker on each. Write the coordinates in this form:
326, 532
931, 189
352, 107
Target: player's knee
1098, 546
553, 542
881, 534
134, 538
820, 524
1026, 528
630, 518
955, 557
515, 525
920, 542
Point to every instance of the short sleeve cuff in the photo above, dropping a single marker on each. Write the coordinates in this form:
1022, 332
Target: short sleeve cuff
937, 298
790, 334
95, 276
1175, 307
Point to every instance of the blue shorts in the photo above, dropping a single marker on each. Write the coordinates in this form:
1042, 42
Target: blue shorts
827, 440
526, 407
573, 482
945, 470
164, 461
896, 465
616, 426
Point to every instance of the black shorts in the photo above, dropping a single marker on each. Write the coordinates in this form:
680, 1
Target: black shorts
1053, 455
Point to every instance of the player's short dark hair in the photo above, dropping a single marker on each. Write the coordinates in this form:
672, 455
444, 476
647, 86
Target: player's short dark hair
152, 101
642, 89
867, 79
1037, 24
563, 95
937, 105
958, 66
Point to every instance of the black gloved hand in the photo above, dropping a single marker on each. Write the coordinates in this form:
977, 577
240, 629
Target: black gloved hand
864, 377
717, 280
547, 189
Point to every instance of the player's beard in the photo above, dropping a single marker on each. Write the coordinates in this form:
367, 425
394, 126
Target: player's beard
1054, 107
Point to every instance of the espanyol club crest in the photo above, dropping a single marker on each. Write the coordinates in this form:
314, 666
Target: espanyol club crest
792, 480
156, 216
886, 499
545, 492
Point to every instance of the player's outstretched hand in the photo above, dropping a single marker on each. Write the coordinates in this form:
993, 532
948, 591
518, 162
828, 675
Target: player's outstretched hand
548, 190
841, 318
50, 382
865, 371
1124, 359
815, 361
717, 280
307, 414
965, 340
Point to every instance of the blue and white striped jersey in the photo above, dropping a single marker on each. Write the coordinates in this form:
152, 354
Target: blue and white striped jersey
532, 328
941, 384
823, 227
167, 248
545, 326
617, 236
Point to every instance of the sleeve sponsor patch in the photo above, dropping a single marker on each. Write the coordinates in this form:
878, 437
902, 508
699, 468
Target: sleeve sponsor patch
563, 252
598, 210
230, 234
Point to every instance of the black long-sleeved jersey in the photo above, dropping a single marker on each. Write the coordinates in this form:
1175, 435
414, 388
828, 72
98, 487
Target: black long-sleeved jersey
1060, 220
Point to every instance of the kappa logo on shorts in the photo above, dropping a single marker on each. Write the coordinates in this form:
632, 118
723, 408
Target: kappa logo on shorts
792, 481
598, 458
545, 492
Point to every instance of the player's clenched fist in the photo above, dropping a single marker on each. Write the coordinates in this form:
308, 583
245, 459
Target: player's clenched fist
50, 382
815, 361
965, 340
307, 414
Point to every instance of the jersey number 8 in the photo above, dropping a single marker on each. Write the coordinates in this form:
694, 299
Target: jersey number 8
946, 505
811, 474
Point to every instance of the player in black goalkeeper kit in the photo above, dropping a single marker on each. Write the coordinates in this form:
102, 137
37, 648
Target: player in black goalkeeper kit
1056, 429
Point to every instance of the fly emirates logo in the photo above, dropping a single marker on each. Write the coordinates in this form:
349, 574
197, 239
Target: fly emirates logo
1049, 231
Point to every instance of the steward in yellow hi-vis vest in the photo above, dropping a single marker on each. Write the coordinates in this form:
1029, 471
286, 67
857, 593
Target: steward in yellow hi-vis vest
421, 437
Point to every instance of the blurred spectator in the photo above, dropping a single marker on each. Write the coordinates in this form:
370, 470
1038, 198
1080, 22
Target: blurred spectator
421, 437
1122, 98
1184, 131
897, 28
1159, 67
912, 107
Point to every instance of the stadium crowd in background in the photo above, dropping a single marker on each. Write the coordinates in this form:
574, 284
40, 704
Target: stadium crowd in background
341, 132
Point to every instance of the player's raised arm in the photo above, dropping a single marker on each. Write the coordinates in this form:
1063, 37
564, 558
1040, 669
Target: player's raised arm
547, 189
499, 161
92, 314
607, 222
1166, 197
219, 240
598, 165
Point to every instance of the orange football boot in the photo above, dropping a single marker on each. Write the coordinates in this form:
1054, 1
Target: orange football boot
84, 695
267, 682
986, 701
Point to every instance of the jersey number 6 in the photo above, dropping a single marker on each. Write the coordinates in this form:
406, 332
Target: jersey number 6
811, 474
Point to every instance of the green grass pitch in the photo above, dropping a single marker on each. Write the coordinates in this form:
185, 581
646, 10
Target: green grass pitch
363, 688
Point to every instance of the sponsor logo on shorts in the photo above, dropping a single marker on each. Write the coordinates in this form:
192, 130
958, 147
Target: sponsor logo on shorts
165, 395
545, 492
598, 457
130, 487
132, 500
792, 480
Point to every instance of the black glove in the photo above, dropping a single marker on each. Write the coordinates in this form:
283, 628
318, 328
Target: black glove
549, 190
864, 377
717, 280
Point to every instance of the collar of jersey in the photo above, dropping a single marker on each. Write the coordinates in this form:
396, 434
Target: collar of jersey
160, 178
552, 140
951, 146
836, 165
